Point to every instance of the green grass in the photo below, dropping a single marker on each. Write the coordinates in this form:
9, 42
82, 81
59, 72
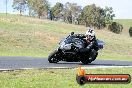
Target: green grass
26, 36
56, 78
125, 22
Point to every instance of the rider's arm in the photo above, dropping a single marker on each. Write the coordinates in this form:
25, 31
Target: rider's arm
88, 47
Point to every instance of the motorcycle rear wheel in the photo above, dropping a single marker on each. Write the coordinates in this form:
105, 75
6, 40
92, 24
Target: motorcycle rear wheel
86, 61
92, 56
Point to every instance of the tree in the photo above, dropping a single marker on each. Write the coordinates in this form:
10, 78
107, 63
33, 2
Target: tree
71, 12
130, 31
6, 5
81, 20
57, 10
67, 13
39, 7
91, 15
75, 11
31, 4
19, 5
109, 15
99, 20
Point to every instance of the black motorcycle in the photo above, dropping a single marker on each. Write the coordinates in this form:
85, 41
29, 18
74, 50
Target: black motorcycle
67, 50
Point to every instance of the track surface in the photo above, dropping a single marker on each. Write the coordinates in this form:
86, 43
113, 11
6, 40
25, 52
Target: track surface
32, 62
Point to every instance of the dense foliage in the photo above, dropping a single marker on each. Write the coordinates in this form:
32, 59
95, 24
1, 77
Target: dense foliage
130, 31
90, 15
115, 27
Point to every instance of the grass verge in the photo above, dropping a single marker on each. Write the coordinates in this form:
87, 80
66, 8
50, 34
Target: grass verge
56, 78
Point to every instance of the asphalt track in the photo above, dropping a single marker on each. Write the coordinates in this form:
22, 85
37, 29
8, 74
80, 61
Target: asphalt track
12, 63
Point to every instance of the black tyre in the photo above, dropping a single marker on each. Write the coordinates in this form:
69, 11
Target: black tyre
53, 57
86, 61
92, 56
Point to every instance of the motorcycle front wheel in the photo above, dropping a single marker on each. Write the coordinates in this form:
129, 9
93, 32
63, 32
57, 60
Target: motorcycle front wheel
52, 58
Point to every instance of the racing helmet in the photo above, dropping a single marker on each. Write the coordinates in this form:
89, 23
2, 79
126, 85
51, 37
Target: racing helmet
90, 34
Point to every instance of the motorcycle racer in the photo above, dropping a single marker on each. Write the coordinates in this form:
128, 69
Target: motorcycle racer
91, 42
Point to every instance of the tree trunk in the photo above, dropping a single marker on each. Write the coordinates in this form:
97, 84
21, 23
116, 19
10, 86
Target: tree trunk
20, 12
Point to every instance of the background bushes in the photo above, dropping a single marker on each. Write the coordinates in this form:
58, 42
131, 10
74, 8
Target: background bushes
115, 27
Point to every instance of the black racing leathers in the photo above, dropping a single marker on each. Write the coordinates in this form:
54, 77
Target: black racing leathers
91, 45
88, 46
